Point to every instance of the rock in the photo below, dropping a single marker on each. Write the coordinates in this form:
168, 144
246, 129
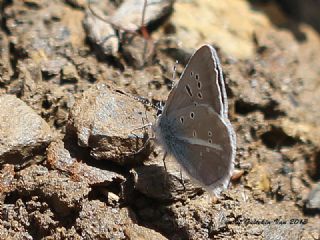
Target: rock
59, 158
98, 221
5, 67
21, 215
69, 74
196, 218
6, 180
237, 174
286, 231
52, 68
107, 123
59, 30
129, 15
17, 233
101, 33
313, 199
200, 23
62, 233
138, 51
155, 181
136, 232
62, 194
23, 133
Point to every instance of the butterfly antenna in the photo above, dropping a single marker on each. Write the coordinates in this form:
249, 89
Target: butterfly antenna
174, 73
164, 161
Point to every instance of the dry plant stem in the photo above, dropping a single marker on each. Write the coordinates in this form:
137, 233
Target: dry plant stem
144, 31
143, 13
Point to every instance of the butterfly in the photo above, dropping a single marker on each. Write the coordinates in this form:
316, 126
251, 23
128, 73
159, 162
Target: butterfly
194, 127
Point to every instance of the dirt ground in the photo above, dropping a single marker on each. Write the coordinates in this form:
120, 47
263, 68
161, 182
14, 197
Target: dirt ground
77, 82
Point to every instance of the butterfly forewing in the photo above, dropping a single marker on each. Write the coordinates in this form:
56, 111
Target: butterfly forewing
201, 82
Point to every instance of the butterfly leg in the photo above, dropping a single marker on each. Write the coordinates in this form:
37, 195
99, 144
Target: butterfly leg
165, 182
142, 148
181, 180
164, 162
146, 142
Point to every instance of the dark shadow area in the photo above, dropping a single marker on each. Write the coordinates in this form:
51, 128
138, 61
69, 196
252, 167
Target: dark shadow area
276, 138
297, 11
314, 166
270, 110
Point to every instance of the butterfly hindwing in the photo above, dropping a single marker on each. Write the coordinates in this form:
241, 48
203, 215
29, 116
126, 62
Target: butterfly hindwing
202, 144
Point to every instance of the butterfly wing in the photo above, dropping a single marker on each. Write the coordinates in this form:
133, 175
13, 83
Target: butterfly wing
201, 82
194, 125
202, 144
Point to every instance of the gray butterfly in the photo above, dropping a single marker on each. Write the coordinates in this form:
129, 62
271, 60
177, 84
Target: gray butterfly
194, 125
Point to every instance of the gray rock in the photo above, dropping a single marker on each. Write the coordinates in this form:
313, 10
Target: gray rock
136, 232
106, 122
59, 158
163, 184
23, 133
5, 67
313, 200
101, 33
52, 68
138, 52
69, 74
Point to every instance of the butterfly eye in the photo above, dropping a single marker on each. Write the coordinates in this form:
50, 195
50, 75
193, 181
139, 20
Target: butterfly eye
197, 76
210, 141
191, 73
192, 115
199, 95
181, 119
194, 133
199, 84
209, 133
